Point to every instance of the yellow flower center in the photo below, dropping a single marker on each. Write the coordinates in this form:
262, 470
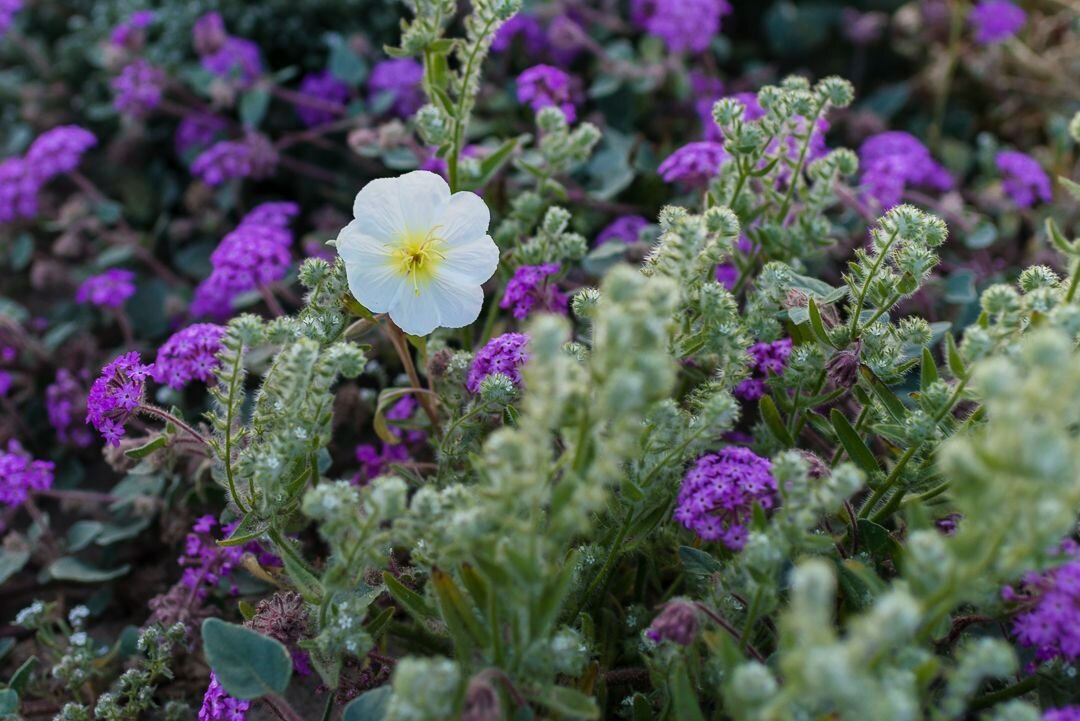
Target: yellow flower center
418, 256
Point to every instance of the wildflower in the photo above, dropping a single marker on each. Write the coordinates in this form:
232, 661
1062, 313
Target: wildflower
18, 190
237, 60
626, 228
767, 358
253, 157
198, 131
20, 474
522, 26
505, 354
481, 700
189, 354
529, 287
375, 461
727, 275
718, 494
543, 86
138, 88
116, 396
208, 33
418, 253
892, 161
65, 397
683, 25
58, 150
397, 82
110, 289
128, 34
678, 623
218, 705
284, 618
842, 369
324, 87
1052, 625
256, 253
8, 9
1025, 180
694, 164
995, 21
207, 563
1065, 713
752, 109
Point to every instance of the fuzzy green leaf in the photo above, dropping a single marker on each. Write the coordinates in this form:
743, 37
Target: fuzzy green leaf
248, 664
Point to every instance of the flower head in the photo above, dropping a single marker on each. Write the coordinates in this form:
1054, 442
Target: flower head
543, 86
996, 20
322, 86
418, 252
529, 287
893, 160
718, 495
129, 33
208, 33
110, 289
254, 157
65, 398
218, 705
694, 164
527, 28
398, 80
237, 60
684, 25
626, 228
138, 88
1025, 180
678, 623
766, 359
18, 190
1052, 625
58, 150
505, 354
20, 474
189, 354
197, 132
1065, 713
116, 395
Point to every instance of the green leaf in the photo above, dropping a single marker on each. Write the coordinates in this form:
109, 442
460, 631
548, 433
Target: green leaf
147, 448
9, 702
21, 677
568, 702
877, 540
983, 236
413, 602
253, 106
952, 356
12, 561
490, 165
1071, 186
811, 286
698, 562
248, 664
816, 324
684, 695
1057, 238
859, 584
70, 568
928, 371
251, 528
888, 399
387, 398
345, 65
82, 534
772, 419
853, 444
458, 615
368, 706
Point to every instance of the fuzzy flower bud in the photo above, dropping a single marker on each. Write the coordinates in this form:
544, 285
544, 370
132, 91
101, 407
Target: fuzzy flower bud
678, 623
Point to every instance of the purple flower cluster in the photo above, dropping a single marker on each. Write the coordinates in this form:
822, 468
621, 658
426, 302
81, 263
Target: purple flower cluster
678, 623
52, 153
375, 461
128, 34
626, 228
8, 9
18, 190
505, 354
995, 21
138, 88
767, 359
693, 165
255, 253
227, 57
324, 87
1065, 713
116, 396
110, 289
707, 90
684, 25
893, 160
20, 474
253, 156
397, 81
1051, 623
1025, 180
544, 86
65, 398
197, 132
718, 495
206, 563
189, 354
218, 705
527, 28
530, 288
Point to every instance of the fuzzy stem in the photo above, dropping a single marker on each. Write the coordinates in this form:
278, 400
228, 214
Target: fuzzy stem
164, 415
401, 347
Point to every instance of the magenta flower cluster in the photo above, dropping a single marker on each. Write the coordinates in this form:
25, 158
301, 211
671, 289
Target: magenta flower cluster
8, 10
326, 89
256, 253
110, 289
397, 83
138, 88
198, 131
718, 495
218, 705
53, 153
189, 354
206, 563
506, 354
766, 359
65, 398
1065, 713
693, 165
544, 86
1024, 179
524, 27
252, 156
995, 21
224, 56
530, 288
1051, 623
116, 396
626, 228
894, 160
125, 33
20, 474
683, 25
375, 461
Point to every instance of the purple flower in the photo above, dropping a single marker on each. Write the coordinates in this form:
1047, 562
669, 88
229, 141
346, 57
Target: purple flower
707, 90
218, 705
58, 150
18, 190
527, 28
626, 228
718, 495
207, 563
1065, 713
6, 382
8, 9
529, 287
189, 354
374, 462
254, 254
543, 86
208, 33
995, 21
684, 25
110, 289
893, 160
727, 275
198, 131
138, 88
566, 39
325, 87
116, 396
254, 156
678, 623
20, 474
1052, 625
237, 60
766, 359
504, 354
397, 81
65, 398
693, 165
127, 34
1025, 180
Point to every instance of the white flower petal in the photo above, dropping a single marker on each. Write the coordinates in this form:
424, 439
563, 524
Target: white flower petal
422, 197
377, 210
472, 263
373, 280
416, 313
459, 304
464, 219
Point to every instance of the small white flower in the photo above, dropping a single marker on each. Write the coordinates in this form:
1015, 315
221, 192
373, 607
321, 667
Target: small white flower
418, 253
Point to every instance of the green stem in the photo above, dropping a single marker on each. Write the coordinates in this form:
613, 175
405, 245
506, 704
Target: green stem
889, 482
233, 382
460, 119
857, 309
751, 617
796, 174
1074, 282
613, 553
1017, 689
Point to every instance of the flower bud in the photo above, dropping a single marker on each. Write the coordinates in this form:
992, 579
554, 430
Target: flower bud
678, 623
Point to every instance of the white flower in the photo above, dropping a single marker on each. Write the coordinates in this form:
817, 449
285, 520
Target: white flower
418, 253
